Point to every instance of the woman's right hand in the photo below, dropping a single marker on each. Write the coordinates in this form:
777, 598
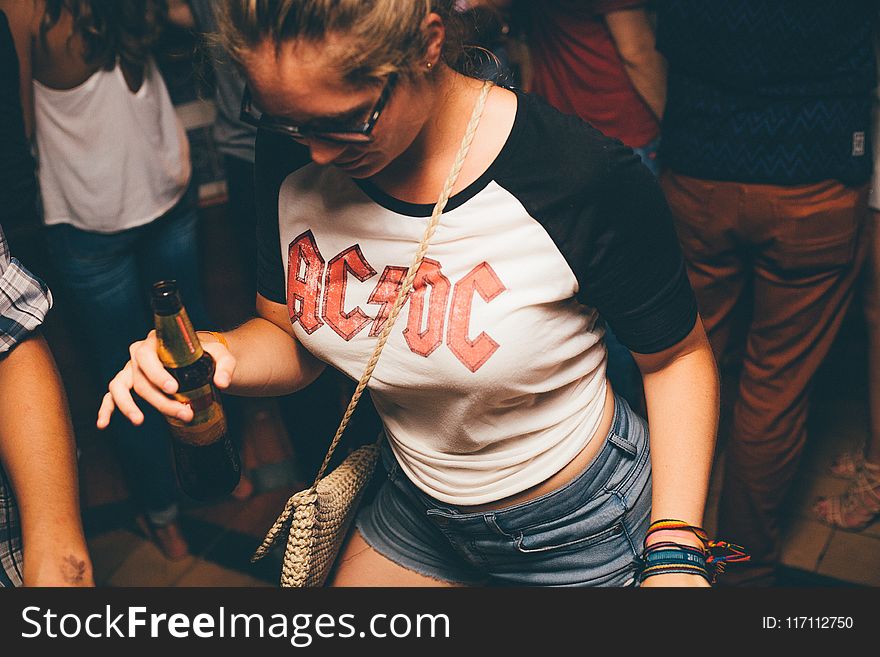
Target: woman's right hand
145, 375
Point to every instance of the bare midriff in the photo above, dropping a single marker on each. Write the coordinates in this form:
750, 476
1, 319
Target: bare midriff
577, 465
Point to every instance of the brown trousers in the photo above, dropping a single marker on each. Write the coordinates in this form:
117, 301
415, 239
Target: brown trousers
798, 251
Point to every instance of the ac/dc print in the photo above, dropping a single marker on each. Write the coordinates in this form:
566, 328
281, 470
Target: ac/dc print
316, 291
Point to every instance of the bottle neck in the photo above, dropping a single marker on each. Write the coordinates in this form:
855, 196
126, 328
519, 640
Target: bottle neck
179, 345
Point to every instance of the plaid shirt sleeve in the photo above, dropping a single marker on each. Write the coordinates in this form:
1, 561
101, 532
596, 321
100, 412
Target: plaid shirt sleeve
24, 300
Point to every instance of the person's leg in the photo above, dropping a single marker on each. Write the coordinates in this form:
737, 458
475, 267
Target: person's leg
100, 278
860, 504
168, 248
706, 220
361, 565
872, 316
804, 276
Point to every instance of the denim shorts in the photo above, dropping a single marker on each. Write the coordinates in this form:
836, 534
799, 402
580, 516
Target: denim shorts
586, 533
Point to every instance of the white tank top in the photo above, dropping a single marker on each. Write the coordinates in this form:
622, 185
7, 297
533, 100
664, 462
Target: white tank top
109, 159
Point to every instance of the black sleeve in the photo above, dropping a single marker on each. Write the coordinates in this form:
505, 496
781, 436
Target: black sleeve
607, 216
276, 157
634, 273
18, 193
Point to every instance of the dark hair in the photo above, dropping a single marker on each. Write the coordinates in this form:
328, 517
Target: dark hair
110, 29
386, 35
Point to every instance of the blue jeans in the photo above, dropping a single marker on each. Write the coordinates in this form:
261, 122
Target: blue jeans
648, 153
106, 279
586, 533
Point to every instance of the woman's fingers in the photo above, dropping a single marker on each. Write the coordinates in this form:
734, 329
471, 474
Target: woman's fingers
144, 375
160, 401
120, 390
150, 380
105, 411
145, 356
224, 363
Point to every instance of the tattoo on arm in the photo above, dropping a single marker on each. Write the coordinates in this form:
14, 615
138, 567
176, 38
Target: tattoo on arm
73, 570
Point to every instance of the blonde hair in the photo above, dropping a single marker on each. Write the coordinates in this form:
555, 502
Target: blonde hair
381, 37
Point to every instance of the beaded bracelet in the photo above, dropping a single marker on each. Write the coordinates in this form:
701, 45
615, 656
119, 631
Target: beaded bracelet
665, 558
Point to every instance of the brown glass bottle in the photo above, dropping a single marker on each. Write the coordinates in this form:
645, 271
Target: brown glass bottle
208, 464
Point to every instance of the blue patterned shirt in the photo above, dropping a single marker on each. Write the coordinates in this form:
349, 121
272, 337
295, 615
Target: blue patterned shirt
768, 91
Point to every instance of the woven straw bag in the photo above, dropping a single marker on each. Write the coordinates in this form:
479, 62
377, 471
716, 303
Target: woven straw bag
318, 518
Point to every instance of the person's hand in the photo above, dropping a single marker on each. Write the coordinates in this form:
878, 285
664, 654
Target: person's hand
145, 375
675, 579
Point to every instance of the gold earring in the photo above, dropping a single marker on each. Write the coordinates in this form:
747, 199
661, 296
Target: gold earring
429, 65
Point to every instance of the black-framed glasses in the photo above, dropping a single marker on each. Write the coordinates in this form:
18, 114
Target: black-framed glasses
339, 131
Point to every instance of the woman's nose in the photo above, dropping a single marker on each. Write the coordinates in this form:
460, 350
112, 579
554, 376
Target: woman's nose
324, 152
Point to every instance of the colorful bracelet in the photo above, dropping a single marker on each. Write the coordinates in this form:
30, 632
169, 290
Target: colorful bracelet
659, 558
667, 557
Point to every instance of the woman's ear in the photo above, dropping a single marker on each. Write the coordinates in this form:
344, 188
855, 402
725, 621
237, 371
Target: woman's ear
436, 37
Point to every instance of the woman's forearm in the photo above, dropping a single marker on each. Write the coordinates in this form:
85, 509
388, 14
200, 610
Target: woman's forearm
269, 360
682, 394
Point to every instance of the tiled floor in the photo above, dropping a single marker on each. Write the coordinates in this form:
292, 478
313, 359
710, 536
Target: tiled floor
222, 536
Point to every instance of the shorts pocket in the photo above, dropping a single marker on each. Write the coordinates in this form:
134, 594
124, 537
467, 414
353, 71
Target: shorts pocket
591, 524
568, 539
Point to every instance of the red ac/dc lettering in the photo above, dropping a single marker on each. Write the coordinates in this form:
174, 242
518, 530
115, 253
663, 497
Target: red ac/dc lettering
305, 270
485, 282
316, 296
346, 324
385, 294
424, 335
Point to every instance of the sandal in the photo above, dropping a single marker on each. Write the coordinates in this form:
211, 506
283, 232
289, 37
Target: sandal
848, 464
858, 507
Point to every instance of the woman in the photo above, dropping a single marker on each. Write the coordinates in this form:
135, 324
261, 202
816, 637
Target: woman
509, 458
114, 174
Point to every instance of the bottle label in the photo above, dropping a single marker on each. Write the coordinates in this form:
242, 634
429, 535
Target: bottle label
209, 422
179, 345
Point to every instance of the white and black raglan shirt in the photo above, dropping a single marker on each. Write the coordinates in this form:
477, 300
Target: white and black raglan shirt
493, 378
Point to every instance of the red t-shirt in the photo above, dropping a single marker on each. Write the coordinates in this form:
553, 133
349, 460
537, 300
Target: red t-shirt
577, 69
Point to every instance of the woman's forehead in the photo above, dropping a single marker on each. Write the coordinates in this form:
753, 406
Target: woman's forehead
299, 79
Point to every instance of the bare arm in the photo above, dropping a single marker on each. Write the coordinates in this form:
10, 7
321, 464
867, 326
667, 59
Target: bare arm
263, 359
38, 452
634, 37
270, 360
682, 393
23, 16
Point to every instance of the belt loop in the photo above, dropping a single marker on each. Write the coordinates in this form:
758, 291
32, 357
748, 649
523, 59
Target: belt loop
623, 444
492, 523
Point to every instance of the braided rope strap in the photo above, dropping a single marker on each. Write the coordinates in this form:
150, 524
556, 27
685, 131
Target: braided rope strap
320, 515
